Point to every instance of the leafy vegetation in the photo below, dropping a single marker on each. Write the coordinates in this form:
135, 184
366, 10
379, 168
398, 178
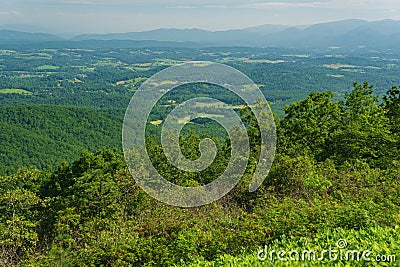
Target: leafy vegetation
40, 135
336, 176
382, 240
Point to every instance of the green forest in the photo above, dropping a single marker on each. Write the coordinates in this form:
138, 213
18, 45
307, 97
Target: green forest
336, 177
58, 100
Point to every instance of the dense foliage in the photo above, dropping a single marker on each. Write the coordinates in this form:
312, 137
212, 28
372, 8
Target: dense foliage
40, 135
335, 176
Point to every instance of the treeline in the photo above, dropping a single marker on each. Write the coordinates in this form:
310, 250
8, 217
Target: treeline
336, 174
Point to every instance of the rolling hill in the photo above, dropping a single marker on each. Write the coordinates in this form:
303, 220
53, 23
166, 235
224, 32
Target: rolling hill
43, 135
9, 36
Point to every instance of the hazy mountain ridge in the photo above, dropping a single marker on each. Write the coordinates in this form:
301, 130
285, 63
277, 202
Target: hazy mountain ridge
8, 36
348, 34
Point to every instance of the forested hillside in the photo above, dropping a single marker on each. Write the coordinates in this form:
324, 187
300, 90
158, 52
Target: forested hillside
336, 176
40, 135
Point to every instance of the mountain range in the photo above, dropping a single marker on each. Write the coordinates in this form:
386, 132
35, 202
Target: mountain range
346, 34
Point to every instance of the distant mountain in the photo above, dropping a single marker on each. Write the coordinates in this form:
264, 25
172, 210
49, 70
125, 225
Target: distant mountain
190, 35
8, 36
267, 29
343, 33
386, 27
335, 28
115, 44
24, 28
179, 35
346, 34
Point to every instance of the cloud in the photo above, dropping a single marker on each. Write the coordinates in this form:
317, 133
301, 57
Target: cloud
363, 4
328, 4
198, 6
226, 4
69, 3
281, 4
182, 7
250, 4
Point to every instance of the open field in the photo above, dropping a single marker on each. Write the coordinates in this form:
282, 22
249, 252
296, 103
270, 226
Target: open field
15, 91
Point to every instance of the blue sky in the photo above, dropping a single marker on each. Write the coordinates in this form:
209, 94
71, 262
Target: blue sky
101, 16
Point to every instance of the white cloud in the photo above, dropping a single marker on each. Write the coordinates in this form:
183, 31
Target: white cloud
182, 7
197, 7
329, 4
185, 4
283, 5
360, 4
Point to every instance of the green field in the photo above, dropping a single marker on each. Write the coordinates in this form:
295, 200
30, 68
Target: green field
47, 67
15, 91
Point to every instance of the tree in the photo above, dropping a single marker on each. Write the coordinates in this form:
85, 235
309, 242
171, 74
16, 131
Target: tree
308, 124
363, 132
392, 106
19, 218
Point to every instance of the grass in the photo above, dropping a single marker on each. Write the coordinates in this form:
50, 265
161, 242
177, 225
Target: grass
166, 62
47, 67
140, 80
15, 91
156, 122
184, 120
209, 105
103, 63
142, 68
218, 105
247, 60
204, 115
121, 83
339, 66
84, 68
76, 80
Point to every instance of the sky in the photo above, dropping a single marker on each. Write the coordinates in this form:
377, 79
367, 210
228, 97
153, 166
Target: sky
101, 16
